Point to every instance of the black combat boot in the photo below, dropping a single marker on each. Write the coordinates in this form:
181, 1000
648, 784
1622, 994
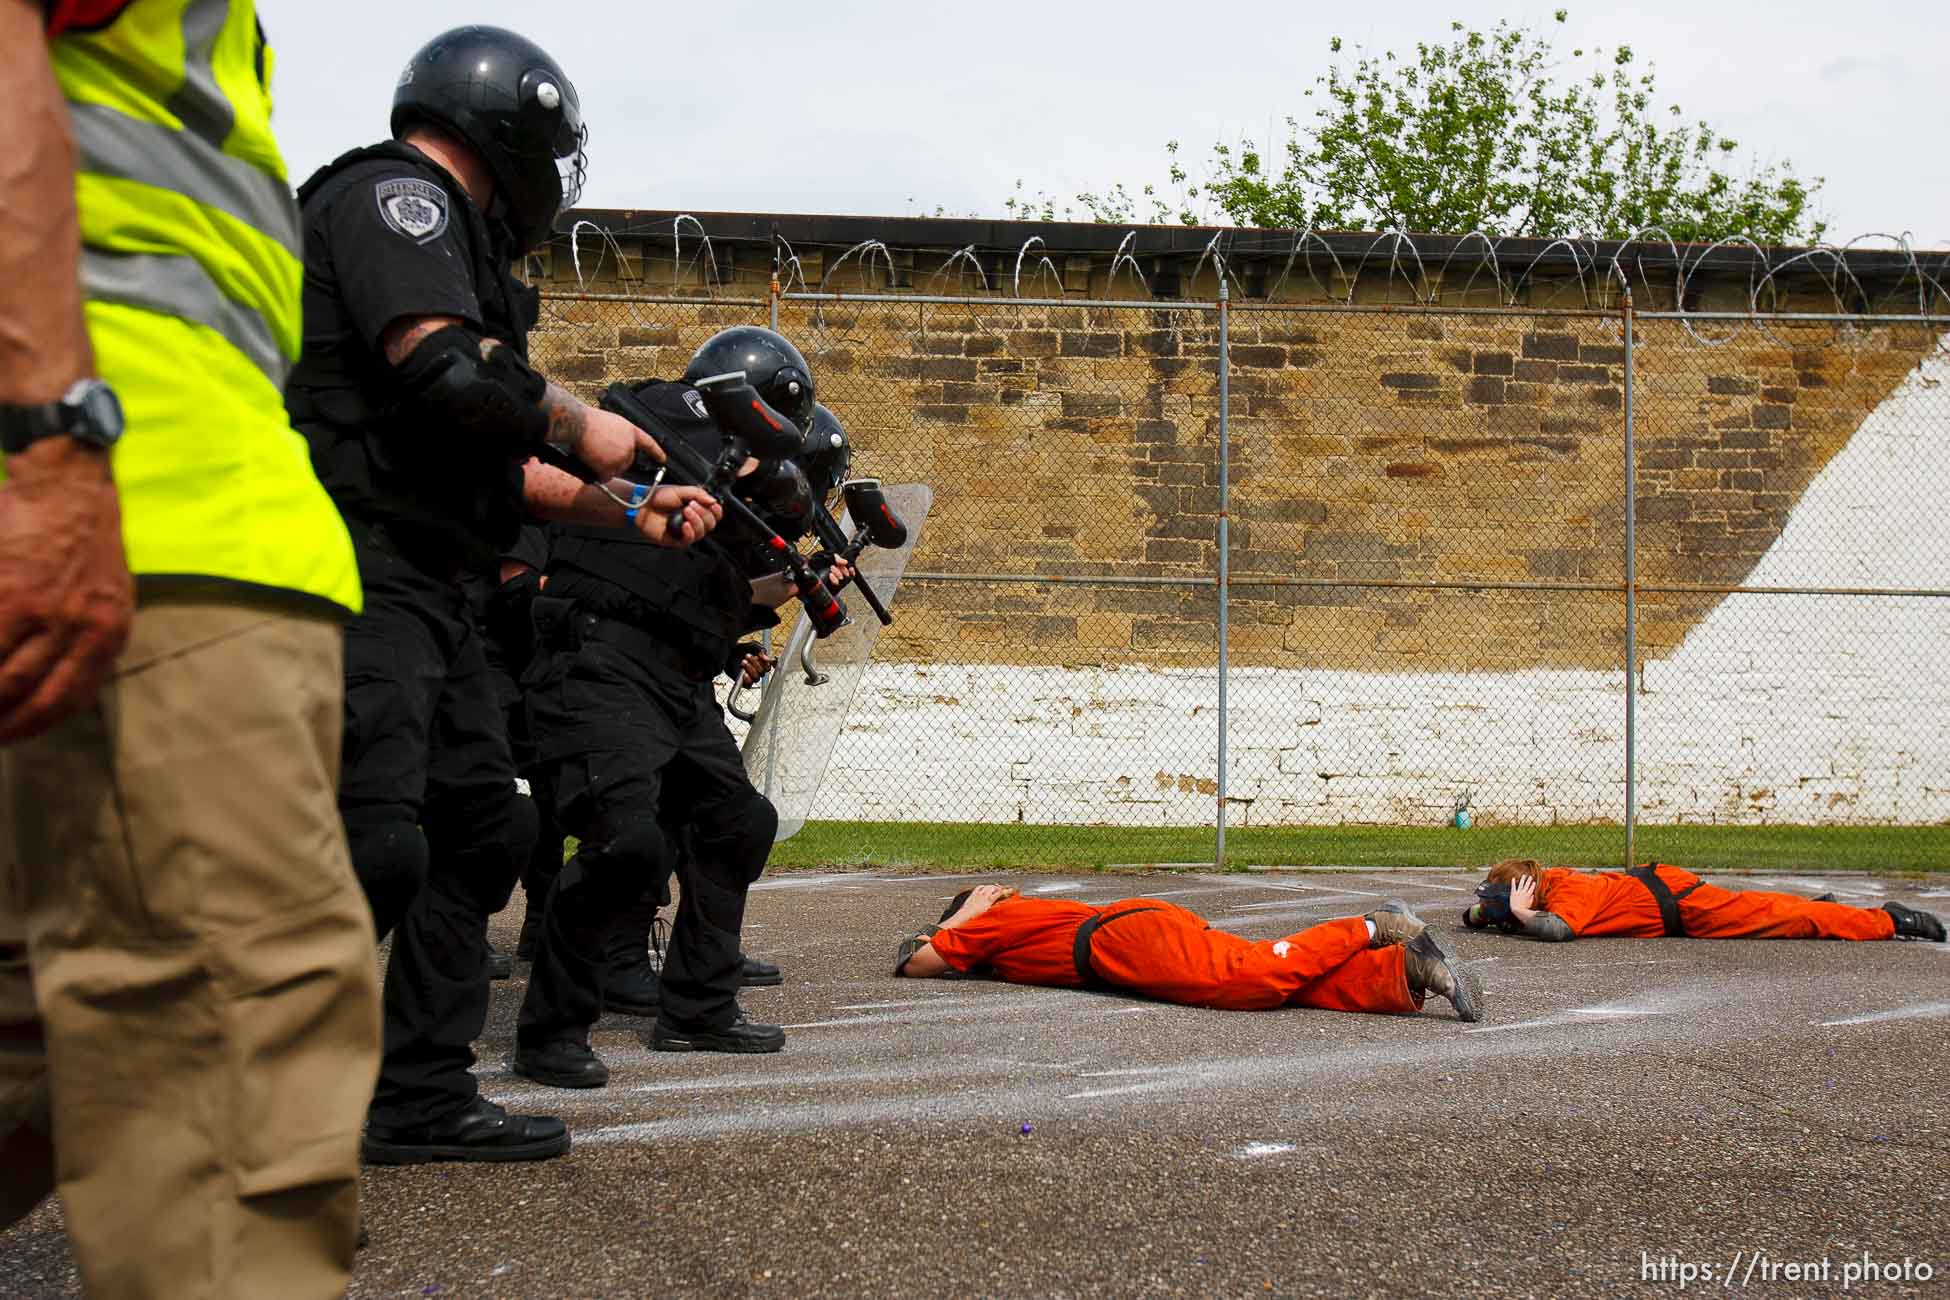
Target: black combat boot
560, 1063
480, 1130
755, 973
1912, 923
741, 1035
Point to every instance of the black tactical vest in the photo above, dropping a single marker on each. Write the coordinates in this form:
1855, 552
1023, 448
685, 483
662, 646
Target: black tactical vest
370, 446
694, 599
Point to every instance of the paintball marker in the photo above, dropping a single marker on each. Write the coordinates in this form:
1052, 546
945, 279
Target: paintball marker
875, 523
750, 427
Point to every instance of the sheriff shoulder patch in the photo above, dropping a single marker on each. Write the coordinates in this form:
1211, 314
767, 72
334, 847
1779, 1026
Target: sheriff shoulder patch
414, 208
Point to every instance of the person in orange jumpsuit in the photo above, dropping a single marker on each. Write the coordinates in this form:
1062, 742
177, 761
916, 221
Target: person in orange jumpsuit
1387, 961
1557, 904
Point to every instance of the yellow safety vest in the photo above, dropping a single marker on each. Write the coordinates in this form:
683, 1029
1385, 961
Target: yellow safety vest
192, 264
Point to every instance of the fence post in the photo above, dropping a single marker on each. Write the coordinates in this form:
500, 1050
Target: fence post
1225, 545
1631, 601
772, 741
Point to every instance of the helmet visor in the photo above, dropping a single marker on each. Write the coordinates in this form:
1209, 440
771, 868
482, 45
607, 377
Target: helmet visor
571, 162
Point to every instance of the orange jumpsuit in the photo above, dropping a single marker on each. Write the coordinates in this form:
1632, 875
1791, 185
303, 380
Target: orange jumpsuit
1169, 953
1597, 904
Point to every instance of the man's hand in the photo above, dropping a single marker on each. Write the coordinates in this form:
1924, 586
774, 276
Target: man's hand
701, 514
980, 899
606, 442
754, 667
839, 575
66, 596
1522, 894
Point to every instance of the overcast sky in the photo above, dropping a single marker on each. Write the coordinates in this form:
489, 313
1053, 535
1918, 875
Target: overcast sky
878, 107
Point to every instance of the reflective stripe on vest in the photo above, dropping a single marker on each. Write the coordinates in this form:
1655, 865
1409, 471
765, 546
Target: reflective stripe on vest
192, 264
177, 286
111, 144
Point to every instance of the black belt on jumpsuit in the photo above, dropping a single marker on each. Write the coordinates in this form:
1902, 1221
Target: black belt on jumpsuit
1081, 952
1667, 900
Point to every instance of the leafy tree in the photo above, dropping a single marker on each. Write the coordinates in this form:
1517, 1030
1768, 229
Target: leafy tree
1480, 134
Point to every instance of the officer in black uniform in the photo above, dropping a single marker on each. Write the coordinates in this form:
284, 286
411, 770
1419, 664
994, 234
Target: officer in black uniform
629, 733
628, 971
501, 602
425, 422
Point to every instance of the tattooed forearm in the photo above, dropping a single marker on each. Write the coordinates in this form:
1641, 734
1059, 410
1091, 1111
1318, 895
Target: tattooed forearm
568, 419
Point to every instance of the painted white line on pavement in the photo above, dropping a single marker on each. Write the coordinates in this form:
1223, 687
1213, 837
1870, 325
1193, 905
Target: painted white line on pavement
1319, 889
812, 882
1311, 902
1636, 961
1054, 887
1584, 1015
1921, 1011
915, 1002
1128, 1088
1260, 1150
930, 877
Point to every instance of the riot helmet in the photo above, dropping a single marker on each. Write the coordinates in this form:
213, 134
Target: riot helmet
771, 365
515, 107
828, 456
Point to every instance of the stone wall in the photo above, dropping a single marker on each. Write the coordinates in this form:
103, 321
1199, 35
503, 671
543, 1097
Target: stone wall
1412, 492
1773, 708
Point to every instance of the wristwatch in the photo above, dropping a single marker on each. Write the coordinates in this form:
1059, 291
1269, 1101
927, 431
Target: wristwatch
88, 412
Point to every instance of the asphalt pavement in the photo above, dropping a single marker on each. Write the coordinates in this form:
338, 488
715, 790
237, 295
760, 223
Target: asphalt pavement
1629, 1114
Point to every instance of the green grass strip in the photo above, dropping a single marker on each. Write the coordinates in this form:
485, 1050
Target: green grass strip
952, 846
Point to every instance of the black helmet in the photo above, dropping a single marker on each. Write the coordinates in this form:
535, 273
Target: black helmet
828, 456
513, 104
771, 365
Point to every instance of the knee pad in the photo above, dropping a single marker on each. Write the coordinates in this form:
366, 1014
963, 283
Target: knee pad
389, 855
739, 839
642, 854
483, 843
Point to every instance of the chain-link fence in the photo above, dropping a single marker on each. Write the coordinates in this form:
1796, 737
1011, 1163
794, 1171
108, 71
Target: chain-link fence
1196, 564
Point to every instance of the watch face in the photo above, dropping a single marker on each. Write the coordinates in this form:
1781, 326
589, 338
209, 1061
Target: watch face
94, 413
101, 413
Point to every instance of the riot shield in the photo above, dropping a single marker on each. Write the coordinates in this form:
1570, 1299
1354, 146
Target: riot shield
798, 721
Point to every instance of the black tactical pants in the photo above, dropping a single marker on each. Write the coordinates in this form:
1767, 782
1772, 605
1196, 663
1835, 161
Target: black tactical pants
509, 650
633, 748
437, 829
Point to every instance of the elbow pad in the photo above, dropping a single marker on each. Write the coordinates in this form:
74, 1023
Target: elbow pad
1549, 927
496, 399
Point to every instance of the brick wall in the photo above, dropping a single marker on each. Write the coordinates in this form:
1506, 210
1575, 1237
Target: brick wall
1399, 450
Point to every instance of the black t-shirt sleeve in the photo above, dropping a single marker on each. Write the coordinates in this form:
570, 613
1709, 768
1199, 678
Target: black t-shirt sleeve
399, 251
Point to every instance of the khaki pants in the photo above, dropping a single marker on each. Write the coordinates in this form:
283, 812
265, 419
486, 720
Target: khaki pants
189, 1009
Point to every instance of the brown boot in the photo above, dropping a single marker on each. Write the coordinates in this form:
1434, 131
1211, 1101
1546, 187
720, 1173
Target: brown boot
1393, 922
1432, 968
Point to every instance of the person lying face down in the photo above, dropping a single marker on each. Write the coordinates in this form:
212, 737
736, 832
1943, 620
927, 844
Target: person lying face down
1557, 904
1387, 961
